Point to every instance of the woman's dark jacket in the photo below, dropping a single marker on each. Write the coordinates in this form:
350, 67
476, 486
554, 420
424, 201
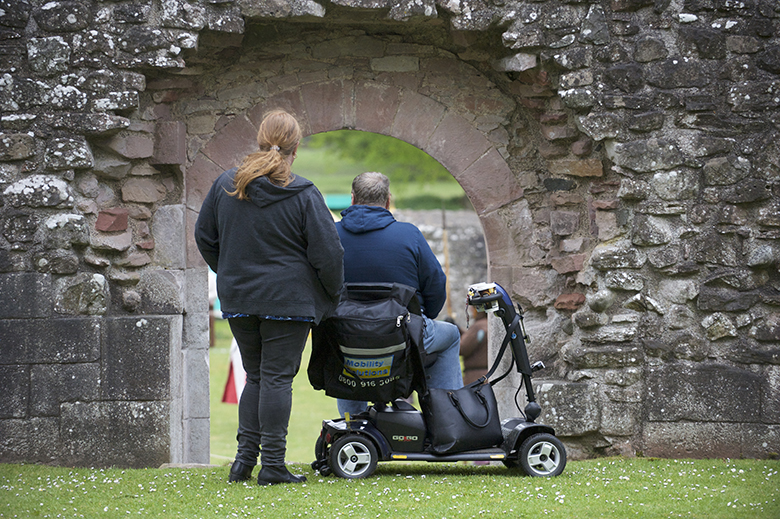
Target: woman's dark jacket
277, 253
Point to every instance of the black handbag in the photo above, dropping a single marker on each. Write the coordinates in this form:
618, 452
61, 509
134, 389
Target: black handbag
462, 419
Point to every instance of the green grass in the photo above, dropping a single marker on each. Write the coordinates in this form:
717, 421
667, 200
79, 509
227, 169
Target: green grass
611, 488
309, 409
333, 175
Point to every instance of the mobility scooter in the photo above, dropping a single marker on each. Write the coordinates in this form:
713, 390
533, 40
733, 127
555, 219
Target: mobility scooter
351, 447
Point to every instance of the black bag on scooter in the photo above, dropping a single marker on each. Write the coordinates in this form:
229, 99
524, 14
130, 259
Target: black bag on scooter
462, 419
368, 348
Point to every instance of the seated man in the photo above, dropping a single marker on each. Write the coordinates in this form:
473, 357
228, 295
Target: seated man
378, 249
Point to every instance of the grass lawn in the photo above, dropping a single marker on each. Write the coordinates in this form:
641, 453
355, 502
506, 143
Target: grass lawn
611, 488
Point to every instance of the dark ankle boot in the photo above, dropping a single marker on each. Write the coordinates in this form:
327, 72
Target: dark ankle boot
275, 474
239, 472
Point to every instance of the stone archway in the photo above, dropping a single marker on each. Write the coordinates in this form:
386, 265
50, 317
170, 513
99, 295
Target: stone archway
468, 155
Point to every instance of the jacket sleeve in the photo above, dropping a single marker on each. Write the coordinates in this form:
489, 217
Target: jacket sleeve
207, 232
433, 281
324, 250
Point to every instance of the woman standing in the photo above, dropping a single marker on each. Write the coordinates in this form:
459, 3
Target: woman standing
272, 242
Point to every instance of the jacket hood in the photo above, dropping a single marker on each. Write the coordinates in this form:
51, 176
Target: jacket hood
263, 193
365, 218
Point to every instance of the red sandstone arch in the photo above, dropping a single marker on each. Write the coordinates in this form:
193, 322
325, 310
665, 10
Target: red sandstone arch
369, 106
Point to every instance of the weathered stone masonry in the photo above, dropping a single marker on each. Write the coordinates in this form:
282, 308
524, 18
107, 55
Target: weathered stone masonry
622, 156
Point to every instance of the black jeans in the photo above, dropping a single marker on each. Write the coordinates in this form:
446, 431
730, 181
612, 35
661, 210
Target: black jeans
271, 354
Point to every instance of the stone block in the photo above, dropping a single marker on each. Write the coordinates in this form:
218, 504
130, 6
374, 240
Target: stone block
607, 224
702, 393
170, 143
199, 179
48, 56
66, 340
718, 326
117, 242
677, 73
289, 101
760, 441
568, 264
650, 231
15, 381
489, 182
27, 295
587, 318
600, 126
110, 220
627, 77
675, 185
515, 63
564, 223
131, 145
620, 418
135, 364
82, 294
53, 384
649, 49
755, 352
533, 285
417, 118
34, 440
569, 302
90, 436
162, 291
572, 409
395, 64
576, 168
168, 228
608, 258
63, 16
328, 105
768, 330
692, 440
456, 144
197, 434
231, 144
196, 384
748, 191
145, 190
613, 357
375, 107
622, 280
645, 156
770, 405
722, 299
39, 191
194, 259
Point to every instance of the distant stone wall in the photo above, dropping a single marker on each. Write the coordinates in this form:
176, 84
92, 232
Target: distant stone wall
622, 157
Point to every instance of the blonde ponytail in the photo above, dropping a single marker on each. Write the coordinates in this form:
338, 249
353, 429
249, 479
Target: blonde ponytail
277, 138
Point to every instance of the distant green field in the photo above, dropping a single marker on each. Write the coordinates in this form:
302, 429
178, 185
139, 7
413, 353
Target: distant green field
333, 175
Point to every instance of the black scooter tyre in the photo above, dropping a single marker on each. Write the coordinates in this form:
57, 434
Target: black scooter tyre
353, 456
542, 455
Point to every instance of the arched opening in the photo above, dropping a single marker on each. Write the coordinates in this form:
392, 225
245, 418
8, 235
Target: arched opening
469, 151
424, 193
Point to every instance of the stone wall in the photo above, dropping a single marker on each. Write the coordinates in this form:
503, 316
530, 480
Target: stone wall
622, 157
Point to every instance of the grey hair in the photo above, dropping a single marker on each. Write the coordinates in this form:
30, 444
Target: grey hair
371, 188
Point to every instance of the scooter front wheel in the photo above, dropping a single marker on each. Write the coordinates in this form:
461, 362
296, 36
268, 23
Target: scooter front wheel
542, 454
353, 456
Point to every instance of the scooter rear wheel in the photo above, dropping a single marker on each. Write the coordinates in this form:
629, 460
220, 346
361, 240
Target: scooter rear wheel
353, 456
542, 455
